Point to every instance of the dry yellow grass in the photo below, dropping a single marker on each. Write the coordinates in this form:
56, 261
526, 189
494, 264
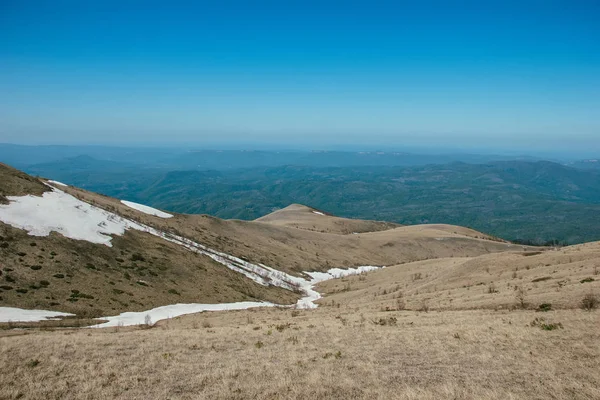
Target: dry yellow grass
303, 217
349, 348
560, 277
474, 343
141, 271
336, 353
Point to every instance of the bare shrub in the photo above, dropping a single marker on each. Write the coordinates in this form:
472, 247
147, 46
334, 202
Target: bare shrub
589, 302
521, 297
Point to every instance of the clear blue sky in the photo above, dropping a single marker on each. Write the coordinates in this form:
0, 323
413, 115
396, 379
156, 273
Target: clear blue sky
314, 73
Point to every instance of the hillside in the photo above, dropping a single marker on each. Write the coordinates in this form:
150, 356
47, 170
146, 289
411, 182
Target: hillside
516, 200
454, 314
93, 255
102, 275
525, 279
302, 217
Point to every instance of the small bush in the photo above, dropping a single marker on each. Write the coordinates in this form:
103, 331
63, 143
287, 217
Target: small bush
148, 321
59, 276
137, 257
551, 326
282, 327
173, 291
6, 287
21, 254
337, 355
36, 267
391, 321
589, 302
21, 290
44, 283
587, 280
33, 363
545, 307
546, 326
259, 345
521, 296
76, 294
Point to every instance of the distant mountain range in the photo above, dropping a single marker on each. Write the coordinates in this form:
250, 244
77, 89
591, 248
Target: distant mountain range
517, 199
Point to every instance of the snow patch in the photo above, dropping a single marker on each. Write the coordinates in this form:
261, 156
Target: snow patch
57, 183
60, 212
318, 213
277, 278
146, 209
11, 314
172, 311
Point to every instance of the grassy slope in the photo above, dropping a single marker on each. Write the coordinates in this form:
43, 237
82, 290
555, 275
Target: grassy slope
346, 349
99, 280
490, 281
138, 273
303, 217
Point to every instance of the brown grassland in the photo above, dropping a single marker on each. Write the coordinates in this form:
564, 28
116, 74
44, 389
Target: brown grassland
361, 343
456, 314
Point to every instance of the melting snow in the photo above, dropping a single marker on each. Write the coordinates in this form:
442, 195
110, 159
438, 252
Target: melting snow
57, 183
278, 278
10, 314
172, 311
146, 209
60, 212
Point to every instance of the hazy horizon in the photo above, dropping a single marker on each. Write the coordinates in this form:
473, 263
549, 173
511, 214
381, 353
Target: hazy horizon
493, 77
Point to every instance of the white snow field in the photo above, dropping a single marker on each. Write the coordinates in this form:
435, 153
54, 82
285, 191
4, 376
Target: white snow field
11, 314
60, 212
172, 311
146, 209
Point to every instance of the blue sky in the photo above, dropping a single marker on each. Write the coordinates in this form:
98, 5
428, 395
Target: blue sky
501, 74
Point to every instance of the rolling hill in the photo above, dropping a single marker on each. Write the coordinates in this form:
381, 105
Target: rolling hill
454, 314
70, 250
